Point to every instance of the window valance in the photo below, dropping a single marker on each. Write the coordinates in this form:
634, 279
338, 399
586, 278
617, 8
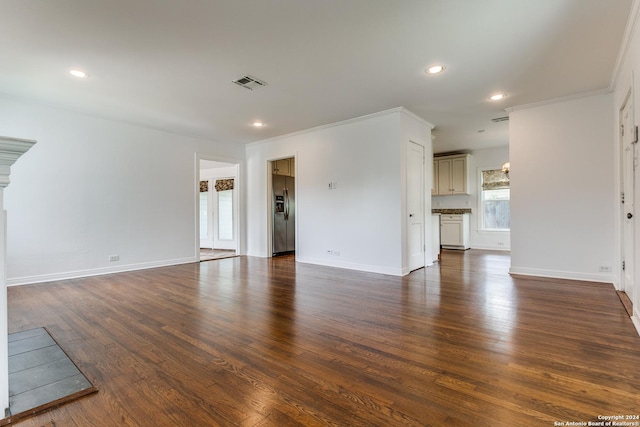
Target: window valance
204, 186
494, 180
224, 184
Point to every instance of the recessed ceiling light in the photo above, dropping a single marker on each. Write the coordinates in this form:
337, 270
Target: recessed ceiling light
258, 124
78, 73
497, 97
435, 69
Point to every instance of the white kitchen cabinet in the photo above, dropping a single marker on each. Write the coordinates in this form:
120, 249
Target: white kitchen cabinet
454, 231
451, 175
284, 167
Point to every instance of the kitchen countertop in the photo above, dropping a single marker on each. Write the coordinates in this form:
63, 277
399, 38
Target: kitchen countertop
450, 211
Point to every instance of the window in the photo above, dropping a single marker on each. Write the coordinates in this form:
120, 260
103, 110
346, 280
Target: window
225, 215
224, 191
494, 200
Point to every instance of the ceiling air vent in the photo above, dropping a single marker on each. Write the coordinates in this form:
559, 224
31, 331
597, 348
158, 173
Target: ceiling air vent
249, 82
500, 119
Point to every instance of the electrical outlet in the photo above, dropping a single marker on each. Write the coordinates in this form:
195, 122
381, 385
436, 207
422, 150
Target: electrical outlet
329, 252
604, 269
114, 258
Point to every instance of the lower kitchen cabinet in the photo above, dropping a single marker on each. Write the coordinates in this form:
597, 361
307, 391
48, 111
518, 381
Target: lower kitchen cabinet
454, 231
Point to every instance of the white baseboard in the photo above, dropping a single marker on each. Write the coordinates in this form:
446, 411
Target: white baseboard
570, 275
353, 266
26, 280
491, 248
636, 320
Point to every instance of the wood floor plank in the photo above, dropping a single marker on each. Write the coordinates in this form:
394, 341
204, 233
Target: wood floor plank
271, 342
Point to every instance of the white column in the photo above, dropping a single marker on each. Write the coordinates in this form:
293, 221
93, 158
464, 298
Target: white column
10, 150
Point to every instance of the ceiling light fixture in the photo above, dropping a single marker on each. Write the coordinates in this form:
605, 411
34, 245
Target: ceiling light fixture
435, 69
497, 97
258, 124
79, 74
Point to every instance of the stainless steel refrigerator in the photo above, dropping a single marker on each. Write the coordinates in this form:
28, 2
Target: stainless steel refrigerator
284, 216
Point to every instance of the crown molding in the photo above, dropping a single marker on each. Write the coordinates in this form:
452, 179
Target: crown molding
383, 113
623, 53
558, 100
10, 150
416, 117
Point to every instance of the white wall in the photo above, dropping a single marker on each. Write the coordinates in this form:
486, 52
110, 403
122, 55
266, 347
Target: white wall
563, 199
218, 173
625, 80
478, 239
93, 187
363, 218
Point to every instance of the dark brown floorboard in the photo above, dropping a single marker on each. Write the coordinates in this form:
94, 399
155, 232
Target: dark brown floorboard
626, 302
270, 342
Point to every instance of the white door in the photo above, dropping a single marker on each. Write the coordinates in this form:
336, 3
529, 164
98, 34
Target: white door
224, 203
415, 205
628, 214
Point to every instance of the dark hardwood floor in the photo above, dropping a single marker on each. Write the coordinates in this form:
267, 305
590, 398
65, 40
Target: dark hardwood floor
268, 342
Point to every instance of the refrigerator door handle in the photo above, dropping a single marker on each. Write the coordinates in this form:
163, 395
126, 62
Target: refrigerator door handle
285, 191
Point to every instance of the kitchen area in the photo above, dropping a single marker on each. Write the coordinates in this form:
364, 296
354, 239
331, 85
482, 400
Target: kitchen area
283, 206
470, 200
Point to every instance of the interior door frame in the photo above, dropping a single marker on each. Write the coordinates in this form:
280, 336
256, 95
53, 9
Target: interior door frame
209, 216
269, 181
238, 184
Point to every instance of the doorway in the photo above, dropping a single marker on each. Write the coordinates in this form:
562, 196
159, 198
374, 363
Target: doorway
283, 206
628, 161
217, 223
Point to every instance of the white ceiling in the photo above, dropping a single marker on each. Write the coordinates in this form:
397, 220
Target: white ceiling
169, 64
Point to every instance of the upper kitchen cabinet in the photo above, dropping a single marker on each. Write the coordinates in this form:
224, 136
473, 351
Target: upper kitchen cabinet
451, 175
284, 167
